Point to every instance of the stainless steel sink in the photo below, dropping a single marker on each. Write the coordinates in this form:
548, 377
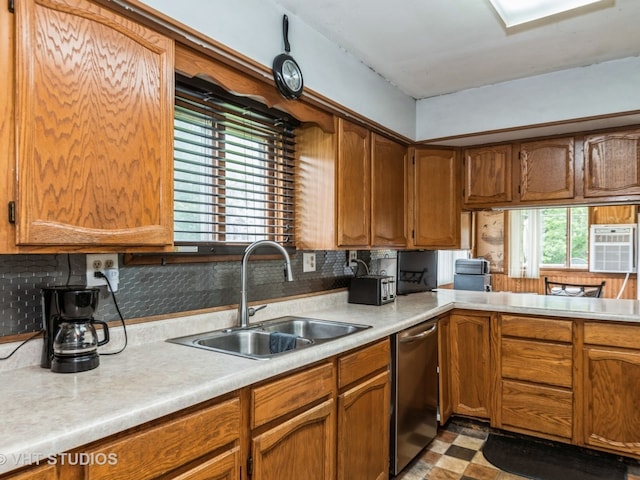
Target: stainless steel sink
251, 343
259, 341
312, 328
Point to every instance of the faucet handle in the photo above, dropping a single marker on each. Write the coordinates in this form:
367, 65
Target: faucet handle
252, 310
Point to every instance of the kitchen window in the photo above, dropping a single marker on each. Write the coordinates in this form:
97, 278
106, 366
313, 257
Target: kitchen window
547, 238
233, 171
565, 236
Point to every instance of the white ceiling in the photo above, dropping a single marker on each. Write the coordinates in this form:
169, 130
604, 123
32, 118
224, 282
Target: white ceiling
434, 47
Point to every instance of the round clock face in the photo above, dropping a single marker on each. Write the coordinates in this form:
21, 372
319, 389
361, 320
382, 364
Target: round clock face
291, 75
288, 76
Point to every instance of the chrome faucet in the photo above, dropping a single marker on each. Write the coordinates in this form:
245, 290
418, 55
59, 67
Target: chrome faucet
243, 311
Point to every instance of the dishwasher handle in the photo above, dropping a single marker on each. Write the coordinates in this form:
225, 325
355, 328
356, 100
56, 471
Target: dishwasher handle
420, 336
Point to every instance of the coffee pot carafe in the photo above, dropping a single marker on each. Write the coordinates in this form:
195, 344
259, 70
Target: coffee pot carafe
71, 341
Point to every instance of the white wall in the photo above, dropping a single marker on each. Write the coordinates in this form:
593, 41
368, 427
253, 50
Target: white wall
601, 89
254, 29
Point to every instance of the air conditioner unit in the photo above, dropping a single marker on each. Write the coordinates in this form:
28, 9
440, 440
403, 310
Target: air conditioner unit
612, 248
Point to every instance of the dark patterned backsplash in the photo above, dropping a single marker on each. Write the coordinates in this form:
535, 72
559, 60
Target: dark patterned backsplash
158, 289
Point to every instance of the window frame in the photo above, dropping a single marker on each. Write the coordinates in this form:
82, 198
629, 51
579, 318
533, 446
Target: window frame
219, 247
569, 212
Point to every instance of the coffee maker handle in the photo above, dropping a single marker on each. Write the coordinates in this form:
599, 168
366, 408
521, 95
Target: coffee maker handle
105, 329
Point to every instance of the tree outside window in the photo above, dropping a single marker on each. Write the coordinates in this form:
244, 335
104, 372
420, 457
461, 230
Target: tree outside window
564, 237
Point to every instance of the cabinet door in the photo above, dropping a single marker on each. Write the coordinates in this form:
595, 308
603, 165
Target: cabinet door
470, 369
546, 170
388, 193
436, 202
363, 430
94, 123
354, 185
225, 466
612, 164
301, 447
487, 175
611, 399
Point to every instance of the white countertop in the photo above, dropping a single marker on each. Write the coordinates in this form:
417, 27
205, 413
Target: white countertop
43, 413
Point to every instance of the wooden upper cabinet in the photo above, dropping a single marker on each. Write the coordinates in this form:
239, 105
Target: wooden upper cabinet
388, 193
487, 176
612, 164
353, 185
547, 170
436, 198
94, 126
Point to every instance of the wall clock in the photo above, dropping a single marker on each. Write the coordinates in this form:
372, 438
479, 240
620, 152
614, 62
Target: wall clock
286, 71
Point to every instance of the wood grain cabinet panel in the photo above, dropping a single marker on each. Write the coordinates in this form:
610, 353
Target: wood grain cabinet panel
363, 426
300, 447
363, 413
94, 126
436, 198
547, 170
388, 192
487, 175
612, 164
537, 328
37, 472
279, 397
537, 408
536, 376
155, 451
351, 189
353, 185
537, 361
611, 399
225, 466
470, 368
365, 361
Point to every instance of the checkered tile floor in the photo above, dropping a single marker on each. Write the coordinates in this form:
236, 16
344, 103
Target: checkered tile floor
456, 454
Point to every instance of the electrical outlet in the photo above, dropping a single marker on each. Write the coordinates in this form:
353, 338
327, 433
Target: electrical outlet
352, 255
107, 263
309, 261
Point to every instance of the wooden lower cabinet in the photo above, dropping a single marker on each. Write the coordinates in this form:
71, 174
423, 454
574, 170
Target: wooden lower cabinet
535, 376
293, 426
537, 408
225, 466
363, 414
469, 367
300, 447
37, 472
201, 444
611, 375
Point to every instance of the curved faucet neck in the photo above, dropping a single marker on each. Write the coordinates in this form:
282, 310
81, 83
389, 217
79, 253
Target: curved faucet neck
243, 311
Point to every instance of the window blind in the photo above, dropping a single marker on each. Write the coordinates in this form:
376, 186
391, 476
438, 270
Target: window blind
233, 170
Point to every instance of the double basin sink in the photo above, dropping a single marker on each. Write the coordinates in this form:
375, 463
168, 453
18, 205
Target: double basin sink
276, 337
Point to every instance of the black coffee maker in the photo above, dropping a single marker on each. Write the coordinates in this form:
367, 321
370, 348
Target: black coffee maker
70, 339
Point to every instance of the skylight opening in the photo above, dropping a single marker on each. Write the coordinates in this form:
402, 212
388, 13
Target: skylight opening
517, 12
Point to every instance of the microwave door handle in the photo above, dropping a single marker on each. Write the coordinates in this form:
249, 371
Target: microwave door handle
420, 335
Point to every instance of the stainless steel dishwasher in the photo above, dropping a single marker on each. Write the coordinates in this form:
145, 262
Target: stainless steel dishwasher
414, 394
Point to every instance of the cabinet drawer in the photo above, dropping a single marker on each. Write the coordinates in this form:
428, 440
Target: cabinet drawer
41, 472
150, 452
537, 328
356, 365
538, 408
280, 397
613, 335
538, 362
